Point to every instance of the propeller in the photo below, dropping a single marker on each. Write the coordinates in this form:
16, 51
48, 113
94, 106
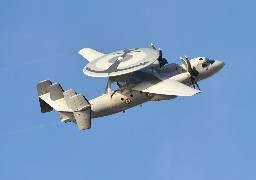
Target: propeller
153, 46
162, 61
192, 71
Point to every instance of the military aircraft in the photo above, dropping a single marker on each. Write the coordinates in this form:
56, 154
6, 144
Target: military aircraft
141, 74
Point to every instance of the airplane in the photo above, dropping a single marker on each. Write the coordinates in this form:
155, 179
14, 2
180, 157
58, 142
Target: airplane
141, 75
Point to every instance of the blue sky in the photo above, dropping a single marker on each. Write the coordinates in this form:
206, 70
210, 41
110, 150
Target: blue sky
207, 136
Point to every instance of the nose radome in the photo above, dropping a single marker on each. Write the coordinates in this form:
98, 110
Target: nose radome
219, 65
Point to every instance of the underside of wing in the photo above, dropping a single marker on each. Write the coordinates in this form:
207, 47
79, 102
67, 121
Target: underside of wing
167, 87
90, 54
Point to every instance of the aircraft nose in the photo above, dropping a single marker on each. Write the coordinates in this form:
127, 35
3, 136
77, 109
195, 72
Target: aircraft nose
218, 65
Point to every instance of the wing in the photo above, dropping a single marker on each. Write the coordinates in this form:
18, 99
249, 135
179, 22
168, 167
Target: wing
90, 54
167, 87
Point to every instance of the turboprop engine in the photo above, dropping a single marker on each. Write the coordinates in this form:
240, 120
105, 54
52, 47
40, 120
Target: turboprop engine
160, 62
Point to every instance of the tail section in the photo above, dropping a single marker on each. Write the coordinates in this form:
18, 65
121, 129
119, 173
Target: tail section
72, 107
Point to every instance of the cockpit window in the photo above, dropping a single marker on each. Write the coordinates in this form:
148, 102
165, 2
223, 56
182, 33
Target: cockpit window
207, 60
210, 61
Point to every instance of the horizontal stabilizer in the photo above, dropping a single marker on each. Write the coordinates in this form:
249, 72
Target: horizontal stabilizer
70, 105
90, 54
167, 87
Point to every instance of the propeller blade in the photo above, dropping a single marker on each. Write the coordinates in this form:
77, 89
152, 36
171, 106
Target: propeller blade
184, 63
153, 46
160, 54
194, 82
162, 61
189, 64
198, 86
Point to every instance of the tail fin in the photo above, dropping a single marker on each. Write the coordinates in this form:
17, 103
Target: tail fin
70, 105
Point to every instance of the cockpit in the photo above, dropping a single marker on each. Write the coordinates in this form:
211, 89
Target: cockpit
206, 62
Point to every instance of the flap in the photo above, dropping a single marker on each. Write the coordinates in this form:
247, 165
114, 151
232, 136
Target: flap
167, 87
90, 54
